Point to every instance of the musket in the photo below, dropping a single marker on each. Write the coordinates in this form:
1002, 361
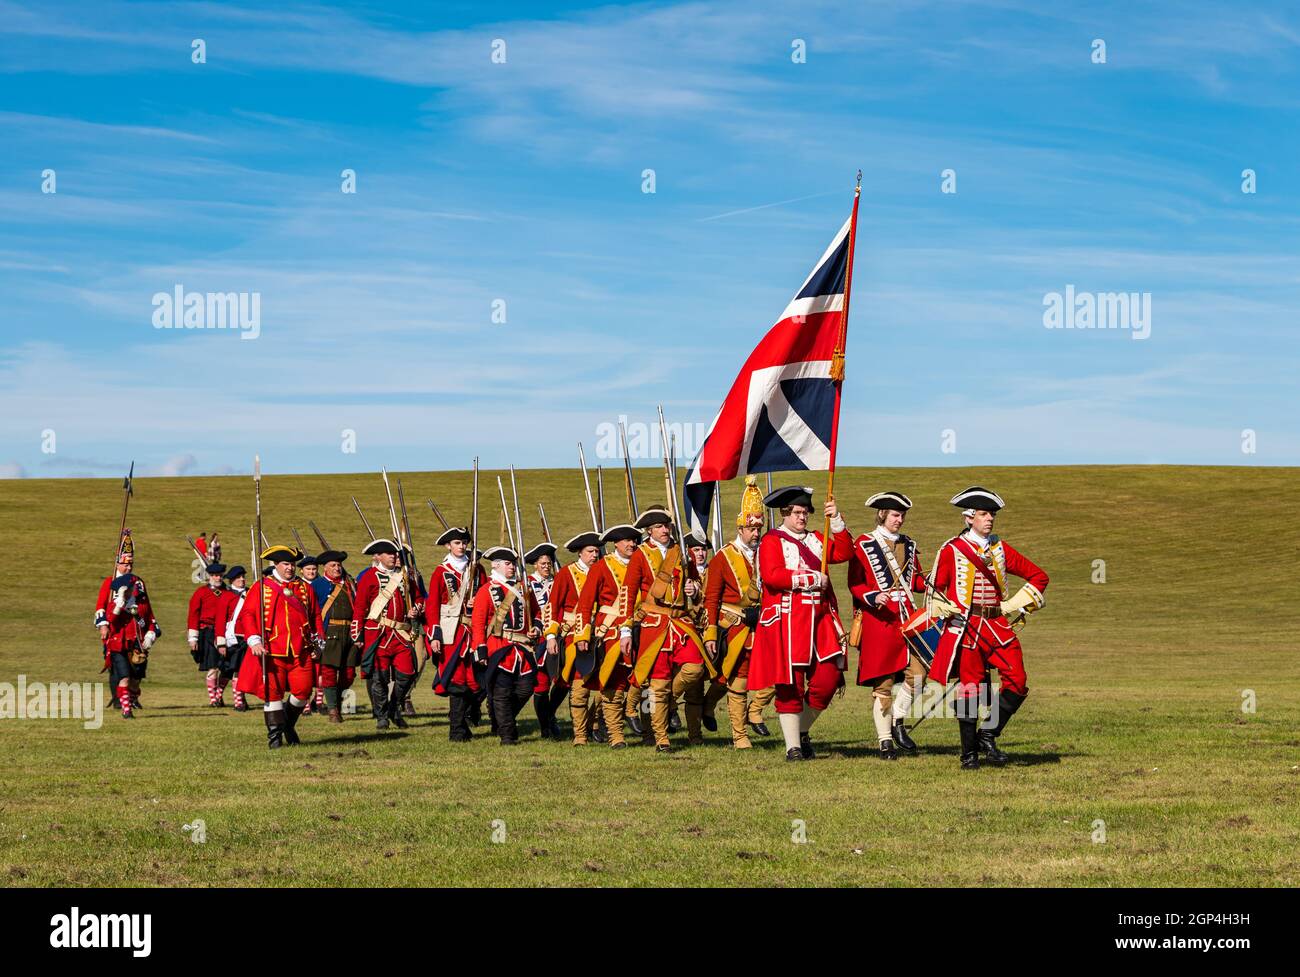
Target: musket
252, 551
600, 493
128, 489
717, 516
265, 544
401, 546
324, 546
771, 513
364, 521
445, 524
257, 571
586, 484
670, 483
302, 547
546, 528
406, 528
463, 596
521, 575
203, 560
505, 519
628, 484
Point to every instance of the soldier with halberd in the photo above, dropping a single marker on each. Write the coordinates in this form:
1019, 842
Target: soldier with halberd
971, 571
337, 595
381, 624
235, 645
561, 617
799, 645
127, 627
545, 699
506, 626
883, 575
281, 620
670, 656
603, 627
447, 630
731, 605
207, 641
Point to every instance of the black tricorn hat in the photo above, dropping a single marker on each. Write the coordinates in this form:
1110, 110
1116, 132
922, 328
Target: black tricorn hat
615, 533
501, 553
890, 500
333, 556
693, 540
582, 541
791, 495
380, 546
978, 497
455, 532
653, 516
539, 551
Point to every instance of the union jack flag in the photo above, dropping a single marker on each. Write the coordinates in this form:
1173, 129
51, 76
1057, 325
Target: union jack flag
780, 413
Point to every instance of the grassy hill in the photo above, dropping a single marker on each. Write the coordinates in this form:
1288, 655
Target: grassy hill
1135, 718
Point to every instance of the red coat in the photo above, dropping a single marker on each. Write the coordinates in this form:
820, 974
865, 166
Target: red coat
514, 626
662, 632
728, 581
229, 603
444, 585
561, 614
874, 570
206, 607
369, 631
956, 577
797, 624
603, 590
126, 628
288, 618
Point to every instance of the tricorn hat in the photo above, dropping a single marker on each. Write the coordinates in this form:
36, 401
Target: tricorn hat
454, 532
280, 553
977, 497
582, 541
539, 551
890, 500
380, 546
501, 553
791, 495
653, 516
333, 556
623, 531
693, 540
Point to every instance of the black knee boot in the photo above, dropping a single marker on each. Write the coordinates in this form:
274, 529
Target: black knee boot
1008, 703
401, 689
291, 714
378, 688
274, 730
458, 717
970, 757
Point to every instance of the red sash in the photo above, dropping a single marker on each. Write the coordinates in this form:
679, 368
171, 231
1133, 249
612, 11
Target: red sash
809, 557
969, 552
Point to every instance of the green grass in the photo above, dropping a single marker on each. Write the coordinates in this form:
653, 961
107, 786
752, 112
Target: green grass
1135, 717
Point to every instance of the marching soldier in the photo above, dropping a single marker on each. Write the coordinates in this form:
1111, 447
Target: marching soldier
885, 572
236, 646
282, 622
542, 558
561, 619
309, 570
604, 627
207, 641
505, 628
447, 632
669, 655
731, 603
127, 627
380, 624
971, 571
337, 595
799, 646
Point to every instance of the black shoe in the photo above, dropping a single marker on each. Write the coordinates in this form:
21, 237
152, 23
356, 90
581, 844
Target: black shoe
887, 751
242, 707
794, 753
988, 745
618, 746
901, 739
558, 734
806, 747
710, 723
398, 719
674, 722
970, 761
634, 724
598, 735
760, 729
408, 709
663, 748
381, 722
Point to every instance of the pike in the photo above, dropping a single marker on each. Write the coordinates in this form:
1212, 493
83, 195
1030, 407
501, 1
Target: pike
628, 484
717, 516
128, 489
364, 521
600, 493
586, 484
257, 574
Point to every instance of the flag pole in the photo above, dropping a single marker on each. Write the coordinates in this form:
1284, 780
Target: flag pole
837, 369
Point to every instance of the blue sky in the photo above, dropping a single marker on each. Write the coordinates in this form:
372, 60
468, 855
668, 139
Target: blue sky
522, 182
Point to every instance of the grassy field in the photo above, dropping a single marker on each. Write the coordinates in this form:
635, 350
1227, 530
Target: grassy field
1135, 719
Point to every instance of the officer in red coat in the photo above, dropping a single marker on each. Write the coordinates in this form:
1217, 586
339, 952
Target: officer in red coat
884, 573
206, 636
127, 627
799, 644
452, 587
382, 623
281, 620
972, 572
507, 625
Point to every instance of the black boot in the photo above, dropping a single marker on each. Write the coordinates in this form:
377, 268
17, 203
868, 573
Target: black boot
970, 758
378, 689
901, 739
806, 747
598, 732
291, 714
794, 753
887, 751
541, 706
401, 689
274, 731
674, 722
760, 729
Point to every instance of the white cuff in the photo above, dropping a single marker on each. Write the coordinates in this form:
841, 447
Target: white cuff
254, 640
192, 635
625, 632
837, 524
